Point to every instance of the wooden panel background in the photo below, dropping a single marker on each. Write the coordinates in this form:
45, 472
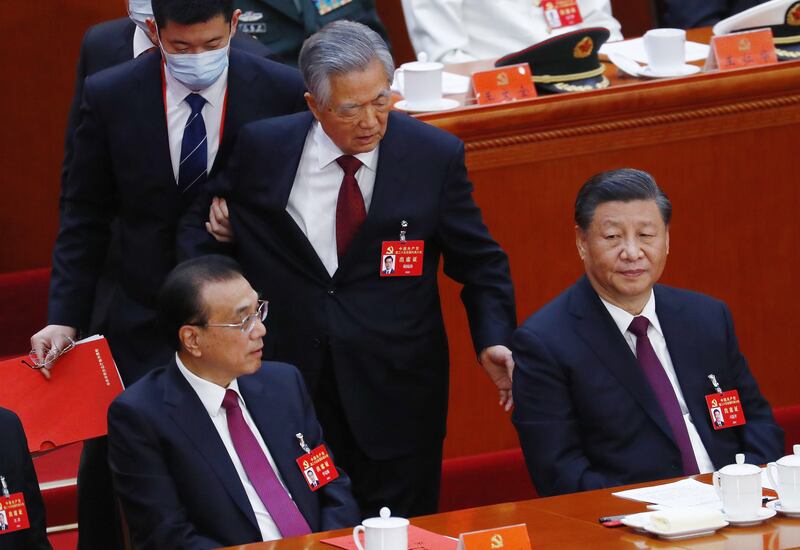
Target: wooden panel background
729, 171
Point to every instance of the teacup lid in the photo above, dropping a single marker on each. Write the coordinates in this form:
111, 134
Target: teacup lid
740, 468
385, 521
791, 460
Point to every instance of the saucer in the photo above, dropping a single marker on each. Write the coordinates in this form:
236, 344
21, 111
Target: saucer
763, 515
778, 507
683, 70
442, 104
641, 524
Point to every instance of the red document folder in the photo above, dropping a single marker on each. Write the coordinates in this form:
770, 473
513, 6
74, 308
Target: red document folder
69, 407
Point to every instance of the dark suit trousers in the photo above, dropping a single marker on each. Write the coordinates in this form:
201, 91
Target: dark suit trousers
408, 485
98, 517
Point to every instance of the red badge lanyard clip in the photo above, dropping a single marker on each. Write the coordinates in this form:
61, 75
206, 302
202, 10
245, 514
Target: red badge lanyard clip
302, 442
404, 226
715, 383
6, 494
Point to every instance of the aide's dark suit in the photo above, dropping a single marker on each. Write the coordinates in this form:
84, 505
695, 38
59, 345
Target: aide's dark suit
109, 44
175, 479
587, 417
122, 171
17, 467
383, 337
281, 27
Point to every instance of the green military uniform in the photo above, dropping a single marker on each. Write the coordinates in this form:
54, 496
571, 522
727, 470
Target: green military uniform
283, 25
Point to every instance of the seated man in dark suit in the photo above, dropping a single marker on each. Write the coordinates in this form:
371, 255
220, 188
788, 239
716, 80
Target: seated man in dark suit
612, 376
204, 451
18, 476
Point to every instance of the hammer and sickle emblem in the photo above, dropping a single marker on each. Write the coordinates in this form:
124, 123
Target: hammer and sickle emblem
497, 541
744, 45
714, 403
390, 250
502, 79
305, 465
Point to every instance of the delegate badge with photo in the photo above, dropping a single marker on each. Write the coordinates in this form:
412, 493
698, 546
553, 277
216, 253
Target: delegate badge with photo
561, 13
327, 6
725, 410
402, 258
317, 468
13, 514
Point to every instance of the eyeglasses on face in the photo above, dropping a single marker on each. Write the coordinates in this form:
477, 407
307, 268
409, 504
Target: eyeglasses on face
248, 323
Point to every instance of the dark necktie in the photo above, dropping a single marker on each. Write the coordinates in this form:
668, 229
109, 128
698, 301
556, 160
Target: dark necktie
283, 510
350, 210
194, 147
665, 393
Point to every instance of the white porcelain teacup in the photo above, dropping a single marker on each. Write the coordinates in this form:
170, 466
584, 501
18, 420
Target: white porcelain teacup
382, 533
421, 83
785, 478
665, 49
739, 487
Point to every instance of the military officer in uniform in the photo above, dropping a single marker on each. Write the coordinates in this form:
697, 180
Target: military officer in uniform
283, 25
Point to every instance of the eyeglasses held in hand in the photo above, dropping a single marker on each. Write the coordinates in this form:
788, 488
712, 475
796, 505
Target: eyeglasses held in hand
50, 354
248, 323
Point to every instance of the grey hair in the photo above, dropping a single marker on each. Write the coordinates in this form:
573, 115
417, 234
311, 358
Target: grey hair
338, 48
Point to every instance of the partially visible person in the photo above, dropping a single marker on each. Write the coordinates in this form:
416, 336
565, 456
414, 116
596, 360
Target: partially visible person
691, 14
612, 376
204, 450
152, 130
17, 476
455, 31
283, 25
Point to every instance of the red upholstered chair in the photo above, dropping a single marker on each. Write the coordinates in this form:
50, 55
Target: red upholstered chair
23, 309
483, 479
788, 418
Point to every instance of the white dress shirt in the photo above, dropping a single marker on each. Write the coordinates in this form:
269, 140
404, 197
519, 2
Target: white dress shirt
654, 333
141, 42
178, 112
315, 192
454, 31
211, 396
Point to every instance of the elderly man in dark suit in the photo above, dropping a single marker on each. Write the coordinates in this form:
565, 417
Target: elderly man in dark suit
207, 451
316, 201
612, 376
149, 136
18, 476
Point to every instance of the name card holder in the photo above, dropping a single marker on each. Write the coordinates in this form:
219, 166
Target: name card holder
742, 49
504, 84
511, 537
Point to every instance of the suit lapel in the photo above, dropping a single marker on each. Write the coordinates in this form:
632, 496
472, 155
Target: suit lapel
388, 185
684, 350
596, 327
241, 98
152, 118
188, 413
275, 427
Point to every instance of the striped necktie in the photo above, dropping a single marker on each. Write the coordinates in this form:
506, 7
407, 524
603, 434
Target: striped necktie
193, 168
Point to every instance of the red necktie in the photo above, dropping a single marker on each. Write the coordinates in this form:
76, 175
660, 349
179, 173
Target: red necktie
284, 512
350, 210
665, 393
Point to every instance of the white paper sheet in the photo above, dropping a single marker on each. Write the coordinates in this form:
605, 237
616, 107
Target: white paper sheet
634, 49
683, 493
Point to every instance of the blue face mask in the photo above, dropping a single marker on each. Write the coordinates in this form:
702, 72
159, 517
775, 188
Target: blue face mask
197, 71
140, 11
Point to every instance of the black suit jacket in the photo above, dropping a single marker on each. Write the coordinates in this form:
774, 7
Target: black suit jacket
108, 44
282, 28
384, 335
122, 172
17, 467
586, 415
173, 474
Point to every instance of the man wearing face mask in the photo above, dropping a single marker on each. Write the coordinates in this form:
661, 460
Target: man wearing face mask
149, 137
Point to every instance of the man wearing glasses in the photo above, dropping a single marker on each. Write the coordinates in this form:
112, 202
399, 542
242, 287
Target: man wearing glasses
211, 450
317, 200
